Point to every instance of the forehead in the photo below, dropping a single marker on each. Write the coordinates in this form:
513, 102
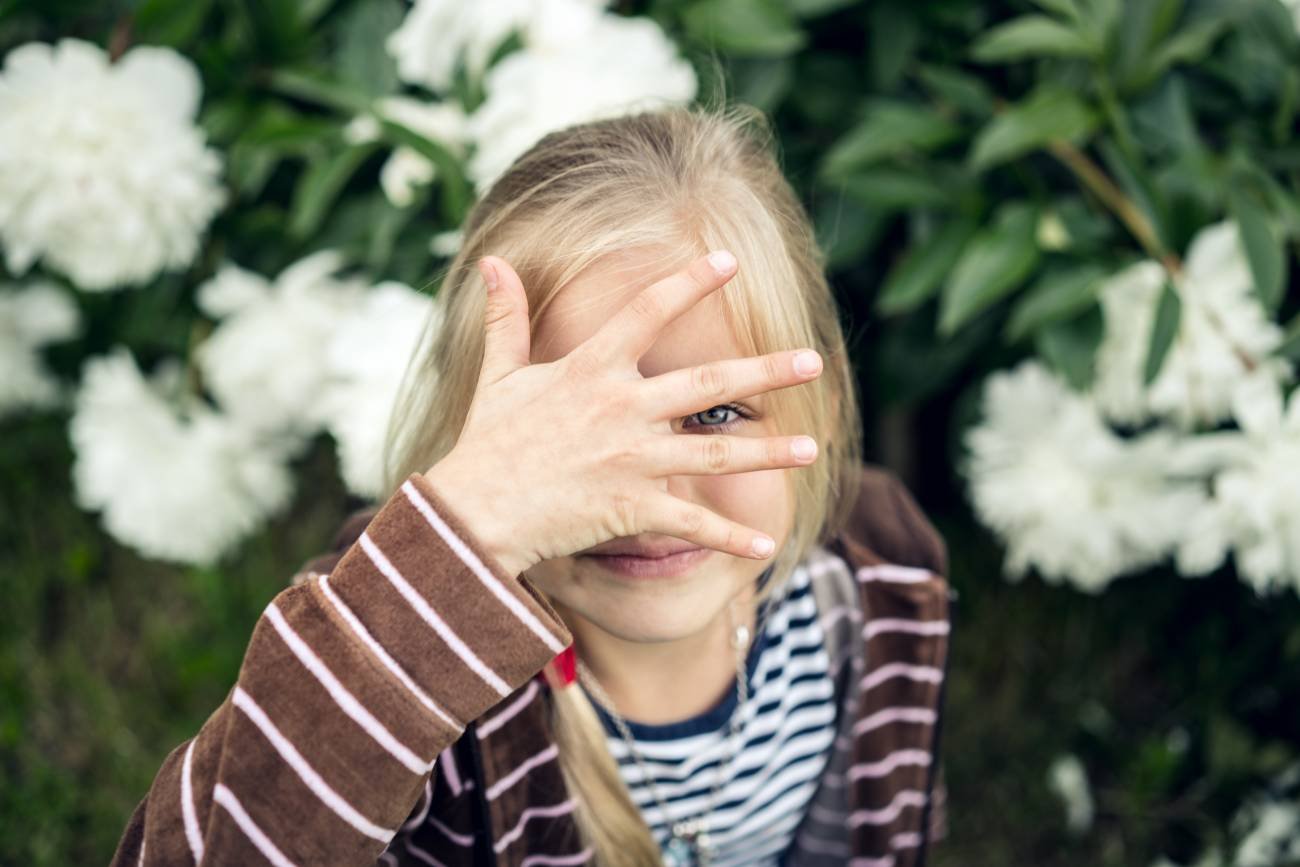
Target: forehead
591, 299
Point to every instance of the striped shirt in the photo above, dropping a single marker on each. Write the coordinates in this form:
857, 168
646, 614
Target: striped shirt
787, 729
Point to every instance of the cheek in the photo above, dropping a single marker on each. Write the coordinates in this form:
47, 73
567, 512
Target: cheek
760, 499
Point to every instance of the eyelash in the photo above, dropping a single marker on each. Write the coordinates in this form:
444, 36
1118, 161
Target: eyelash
725, 426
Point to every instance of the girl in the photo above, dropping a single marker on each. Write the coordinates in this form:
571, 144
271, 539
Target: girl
634, 599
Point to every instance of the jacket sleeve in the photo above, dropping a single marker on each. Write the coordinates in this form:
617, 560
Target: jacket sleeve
351, 685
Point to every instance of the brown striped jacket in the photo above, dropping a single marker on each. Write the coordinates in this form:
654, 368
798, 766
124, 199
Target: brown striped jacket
389, 711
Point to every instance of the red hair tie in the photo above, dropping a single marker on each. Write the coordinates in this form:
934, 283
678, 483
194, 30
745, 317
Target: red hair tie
562, 670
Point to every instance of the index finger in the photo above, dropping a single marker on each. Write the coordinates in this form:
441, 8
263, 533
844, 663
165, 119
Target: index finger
631, 331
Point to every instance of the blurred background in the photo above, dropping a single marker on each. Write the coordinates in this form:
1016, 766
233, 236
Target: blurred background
1062, 234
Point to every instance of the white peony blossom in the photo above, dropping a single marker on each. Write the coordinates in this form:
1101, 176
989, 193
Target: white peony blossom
1068, 780
1068, 496
174, 479
1273, 837
265, 360
437, 36
104, 175
1224, 334
578, 64
365, 360
31, 317
1255, 508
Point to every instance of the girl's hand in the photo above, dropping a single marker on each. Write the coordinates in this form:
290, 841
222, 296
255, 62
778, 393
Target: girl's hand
558, 457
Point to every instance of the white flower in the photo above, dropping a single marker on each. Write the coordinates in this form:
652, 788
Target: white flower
438, 35
1255, 508
578, 64
1273, 837
265, 360
365, 360
103, 174
31, 317
1068, 496
1069, 781
447, 244
174, 479
1223, 335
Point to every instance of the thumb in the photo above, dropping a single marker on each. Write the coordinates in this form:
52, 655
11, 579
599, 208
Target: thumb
507, 341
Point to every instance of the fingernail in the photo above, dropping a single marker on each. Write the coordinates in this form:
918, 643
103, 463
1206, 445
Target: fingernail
489, 273
804, 448
722, 261
807, 363
763, 546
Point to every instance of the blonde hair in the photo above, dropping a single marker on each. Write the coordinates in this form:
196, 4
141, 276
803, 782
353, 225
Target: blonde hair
694, 180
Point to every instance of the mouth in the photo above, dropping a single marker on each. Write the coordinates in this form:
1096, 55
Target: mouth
666, 566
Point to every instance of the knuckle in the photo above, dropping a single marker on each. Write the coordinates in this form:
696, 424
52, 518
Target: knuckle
648, 306
627, 454
624, 508
709, 381
774, 369
717, 453
584, 365
693, 519
729, 541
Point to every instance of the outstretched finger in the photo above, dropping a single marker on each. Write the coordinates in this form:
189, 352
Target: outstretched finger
672, 516
704, 386
631, 331
507, 339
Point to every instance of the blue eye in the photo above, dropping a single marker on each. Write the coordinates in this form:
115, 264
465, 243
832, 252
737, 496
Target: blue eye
722, 424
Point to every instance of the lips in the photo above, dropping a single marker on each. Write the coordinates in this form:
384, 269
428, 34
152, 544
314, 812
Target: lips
652, 549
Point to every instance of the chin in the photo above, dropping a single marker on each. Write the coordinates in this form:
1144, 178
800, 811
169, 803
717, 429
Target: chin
639, 611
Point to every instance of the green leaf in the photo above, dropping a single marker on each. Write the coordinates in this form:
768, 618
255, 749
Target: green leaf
1264, 250
456, 195
312, 87
1064, 8
813, 8
1070, 347
1058, 294
1050, 113
889, 129
762, 82
320, 185
165, 22
899, 188
917, 275
745, 28
846, 229
1163, 332
894, 33
995, 262
1189, 45
1030, 36
967, 93
361, 58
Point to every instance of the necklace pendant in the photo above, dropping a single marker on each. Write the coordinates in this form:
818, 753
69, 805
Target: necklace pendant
678, 853
688, 845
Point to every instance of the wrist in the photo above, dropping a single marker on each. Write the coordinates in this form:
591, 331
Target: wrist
482, 520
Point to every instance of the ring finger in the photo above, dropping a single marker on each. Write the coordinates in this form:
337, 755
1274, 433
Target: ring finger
713, 454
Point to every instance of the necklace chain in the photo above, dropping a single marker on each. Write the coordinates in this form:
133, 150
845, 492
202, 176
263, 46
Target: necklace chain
689, 837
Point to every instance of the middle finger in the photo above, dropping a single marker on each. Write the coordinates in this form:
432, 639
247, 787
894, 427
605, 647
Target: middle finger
696, 389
